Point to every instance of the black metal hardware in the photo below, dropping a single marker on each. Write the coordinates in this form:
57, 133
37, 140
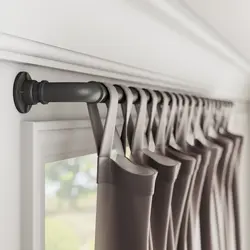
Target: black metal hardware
28, 92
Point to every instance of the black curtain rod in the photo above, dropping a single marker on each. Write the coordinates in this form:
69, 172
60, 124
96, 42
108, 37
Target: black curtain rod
28, 92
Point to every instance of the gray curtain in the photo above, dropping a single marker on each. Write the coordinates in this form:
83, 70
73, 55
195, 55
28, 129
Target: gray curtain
174, 181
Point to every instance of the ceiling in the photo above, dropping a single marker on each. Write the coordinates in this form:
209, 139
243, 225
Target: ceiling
230, 18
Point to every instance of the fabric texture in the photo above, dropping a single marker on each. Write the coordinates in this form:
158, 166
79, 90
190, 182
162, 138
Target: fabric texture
173, 184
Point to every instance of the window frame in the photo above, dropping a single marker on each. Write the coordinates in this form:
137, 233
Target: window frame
42, 142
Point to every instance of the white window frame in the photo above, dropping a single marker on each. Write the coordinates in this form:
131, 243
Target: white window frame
43, 142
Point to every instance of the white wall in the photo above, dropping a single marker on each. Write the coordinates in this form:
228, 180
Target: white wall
240, 124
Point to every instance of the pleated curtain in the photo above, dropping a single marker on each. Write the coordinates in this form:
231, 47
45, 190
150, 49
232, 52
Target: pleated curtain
173, 184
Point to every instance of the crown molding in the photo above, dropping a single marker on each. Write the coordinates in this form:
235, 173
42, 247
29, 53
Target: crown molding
157, 43
22, 50
243, 60
196, 29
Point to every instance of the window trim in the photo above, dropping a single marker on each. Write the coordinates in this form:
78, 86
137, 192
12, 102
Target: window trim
43, 142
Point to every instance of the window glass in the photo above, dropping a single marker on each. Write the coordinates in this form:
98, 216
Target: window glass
70, 203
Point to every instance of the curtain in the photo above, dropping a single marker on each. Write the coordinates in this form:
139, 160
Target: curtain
173, 183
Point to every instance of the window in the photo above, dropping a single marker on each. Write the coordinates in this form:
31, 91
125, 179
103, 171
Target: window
70, 203
58, 185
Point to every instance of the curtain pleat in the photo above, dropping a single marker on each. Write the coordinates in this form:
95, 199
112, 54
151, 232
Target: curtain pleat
174, 185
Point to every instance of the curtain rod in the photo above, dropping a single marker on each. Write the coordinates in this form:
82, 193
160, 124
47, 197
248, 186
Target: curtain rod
28, 92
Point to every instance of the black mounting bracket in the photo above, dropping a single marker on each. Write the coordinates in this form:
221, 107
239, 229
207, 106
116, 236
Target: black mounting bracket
18, 92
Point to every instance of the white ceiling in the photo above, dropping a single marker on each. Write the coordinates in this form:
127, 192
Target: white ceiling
230, 18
